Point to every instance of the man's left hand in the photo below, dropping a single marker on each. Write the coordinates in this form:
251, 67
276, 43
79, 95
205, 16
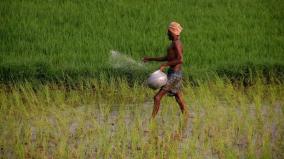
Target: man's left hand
162, 67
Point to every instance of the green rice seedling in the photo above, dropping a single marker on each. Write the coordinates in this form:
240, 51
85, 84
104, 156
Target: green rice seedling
226, 121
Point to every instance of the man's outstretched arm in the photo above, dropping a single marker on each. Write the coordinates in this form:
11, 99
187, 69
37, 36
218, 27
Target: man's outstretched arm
163, 58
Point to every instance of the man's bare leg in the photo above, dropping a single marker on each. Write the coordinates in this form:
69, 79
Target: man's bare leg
184, 111
157, 101
181, 103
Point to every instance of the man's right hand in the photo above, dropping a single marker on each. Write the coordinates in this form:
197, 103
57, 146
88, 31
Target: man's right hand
146, 59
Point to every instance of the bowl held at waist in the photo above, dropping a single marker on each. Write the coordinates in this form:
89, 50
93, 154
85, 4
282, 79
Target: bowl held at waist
157, 79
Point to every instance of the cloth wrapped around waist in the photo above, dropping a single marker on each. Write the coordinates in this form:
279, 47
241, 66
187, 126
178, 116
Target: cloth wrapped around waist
174, 82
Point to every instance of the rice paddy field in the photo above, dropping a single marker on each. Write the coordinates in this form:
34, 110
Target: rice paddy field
112, 120
71, 39
72, 84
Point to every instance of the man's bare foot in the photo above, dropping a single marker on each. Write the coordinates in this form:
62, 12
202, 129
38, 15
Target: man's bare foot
176, 135
186, 114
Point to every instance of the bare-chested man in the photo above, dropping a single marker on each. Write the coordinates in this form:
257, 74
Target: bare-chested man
174, 60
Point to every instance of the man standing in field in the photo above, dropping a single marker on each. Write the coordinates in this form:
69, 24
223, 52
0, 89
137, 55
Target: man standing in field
174, 60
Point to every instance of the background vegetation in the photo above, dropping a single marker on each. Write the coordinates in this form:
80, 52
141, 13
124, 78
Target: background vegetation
71, 39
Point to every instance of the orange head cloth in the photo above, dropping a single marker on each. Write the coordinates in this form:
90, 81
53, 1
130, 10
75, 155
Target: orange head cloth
175, 28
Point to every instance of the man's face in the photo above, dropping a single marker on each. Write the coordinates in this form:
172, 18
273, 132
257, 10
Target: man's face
170, 35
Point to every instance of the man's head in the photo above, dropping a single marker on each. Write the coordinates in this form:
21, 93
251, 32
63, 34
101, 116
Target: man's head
174, 30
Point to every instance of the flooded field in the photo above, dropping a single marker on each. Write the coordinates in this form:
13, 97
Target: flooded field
110, 120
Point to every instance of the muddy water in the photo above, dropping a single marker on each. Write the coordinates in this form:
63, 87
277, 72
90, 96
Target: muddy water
168, 112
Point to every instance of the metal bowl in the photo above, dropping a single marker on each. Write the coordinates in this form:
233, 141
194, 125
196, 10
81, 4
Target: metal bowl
157, 79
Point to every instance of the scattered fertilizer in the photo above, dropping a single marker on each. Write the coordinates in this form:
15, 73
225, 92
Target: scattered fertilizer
119, 60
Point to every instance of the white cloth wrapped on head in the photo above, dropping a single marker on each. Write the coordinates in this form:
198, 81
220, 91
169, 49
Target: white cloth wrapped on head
175, 28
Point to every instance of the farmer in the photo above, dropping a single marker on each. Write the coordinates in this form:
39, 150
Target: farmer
174, 60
